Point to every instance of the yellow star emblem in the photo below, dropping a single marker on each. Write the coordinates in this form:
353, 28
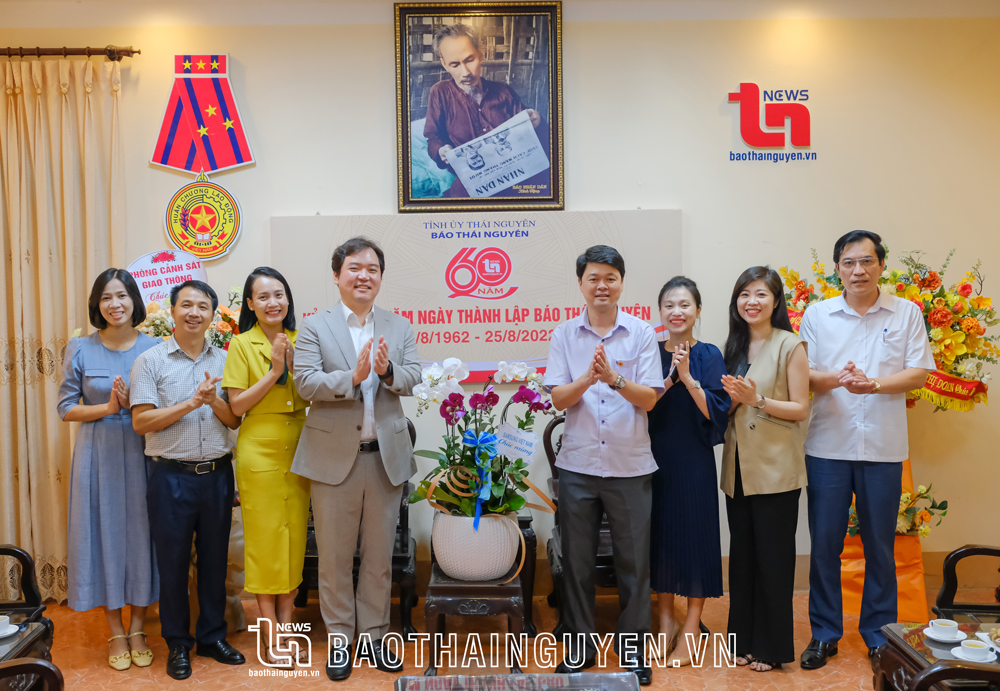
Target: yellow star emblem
187, 64
201, 65
215, 64
210, 110
203, 131
203, 218
228, 124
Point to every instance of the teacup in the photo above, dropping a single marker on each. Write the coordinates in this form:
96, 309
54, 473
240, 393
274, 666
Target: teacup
944, 628
4, 622
975, 649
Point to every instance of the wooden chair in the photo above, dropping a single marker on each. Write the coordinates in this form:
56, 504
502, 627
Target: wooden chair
967, 612
404, 559
30, 674
30, 605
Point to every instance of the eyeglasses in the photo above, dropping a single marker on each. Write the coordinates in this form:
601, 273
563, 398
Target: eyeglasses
865, 262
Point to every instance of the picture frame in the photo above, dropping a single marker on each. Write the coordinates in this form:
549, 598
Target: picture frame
479, 106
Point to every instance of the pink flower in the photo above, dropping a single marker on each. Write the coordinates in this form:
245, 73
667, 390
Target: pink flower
526, 395
485, 400
538, 406
452, 410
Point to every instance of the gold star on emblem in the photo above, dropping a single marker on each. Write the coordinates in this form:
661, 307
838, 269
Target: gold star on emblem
228, 124
210, 110
203, 218
201, 64
215, 64
203, 131
187, 64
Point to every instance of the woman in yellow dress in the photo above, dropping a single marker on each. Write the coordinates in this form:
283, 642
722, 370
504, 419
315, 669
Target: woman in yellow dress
275, 501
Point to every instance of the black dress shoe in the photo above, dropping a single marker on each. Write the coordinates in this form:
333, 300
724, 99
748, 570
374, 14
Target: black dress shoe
816, 653
179, 662
565, 667
642, 671
385, 659
220, 651
342, 670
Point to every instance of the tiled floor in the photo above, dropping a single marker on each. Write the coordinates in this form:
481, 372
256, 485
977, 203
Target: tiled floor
80, 651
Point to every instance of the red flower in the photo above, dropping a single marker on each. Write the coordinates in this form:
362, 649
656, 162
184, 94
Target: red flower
940, 317
900, 287
930, 282
226, 347
965, 290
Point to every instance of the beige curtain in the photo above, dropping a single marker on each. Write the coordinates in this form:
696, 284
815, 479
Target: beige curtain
62, 221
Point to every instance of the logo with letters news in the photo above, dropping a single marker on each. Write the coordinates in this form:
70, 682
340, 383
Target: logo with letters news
289, 647
479, 274
785, 113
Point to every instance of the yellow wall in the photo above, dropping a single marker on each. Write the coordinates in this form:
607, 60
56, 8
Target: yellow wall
904, 122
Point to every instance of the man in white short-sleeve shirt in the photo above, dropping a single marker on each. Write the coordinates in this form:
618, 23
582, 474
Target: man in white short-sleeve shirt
604, 371
866, 350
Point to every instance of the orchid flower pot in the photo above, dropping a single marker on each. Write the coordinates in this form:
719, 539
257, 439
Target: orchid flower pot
467, 554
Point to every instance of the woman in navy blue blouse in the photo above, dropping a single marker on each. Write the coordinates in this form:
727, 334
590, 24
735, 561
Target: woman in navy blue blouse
687, 422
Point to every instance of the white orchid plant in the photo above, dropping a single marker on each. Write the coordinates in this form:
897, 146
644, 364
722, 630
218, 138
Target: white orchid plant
472, 477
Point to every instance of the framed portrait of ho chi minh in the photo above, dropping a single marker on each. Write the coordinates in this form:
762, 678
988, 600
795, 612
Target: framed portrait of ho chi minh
479, 106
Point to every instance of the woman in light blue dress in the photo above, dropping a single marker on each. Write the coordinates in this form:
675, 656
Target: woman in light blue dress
111, 560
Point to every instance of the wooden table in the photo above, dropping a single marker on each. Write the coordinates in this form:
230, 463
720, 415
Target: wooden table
447, 595
912, 662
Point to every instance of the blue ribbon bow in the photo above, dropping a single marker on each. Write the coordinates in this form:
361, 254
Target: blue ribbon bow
483, 442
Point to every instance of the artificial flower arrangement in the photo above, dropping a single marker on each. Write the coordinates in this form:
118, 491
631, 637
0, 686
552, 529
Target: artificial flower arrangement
911, 517
472, 477
225, 322
956, 319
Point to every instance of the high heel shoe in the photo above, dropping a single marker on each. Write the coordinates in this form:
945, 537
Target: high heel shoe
141, 658
123, 661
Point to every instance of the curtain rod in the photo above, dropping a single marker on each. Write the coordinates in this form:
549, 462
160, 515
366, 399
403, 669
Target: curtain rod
115, 53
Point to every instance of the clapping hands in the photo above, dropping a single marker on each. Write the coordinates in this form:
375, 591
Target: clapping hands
206, 392
282, 354
740, 390
601, 367
854, 379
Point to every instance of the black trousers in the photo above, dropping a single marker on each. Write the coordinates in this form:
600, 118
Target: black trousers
628, 502
183, 507
762, 571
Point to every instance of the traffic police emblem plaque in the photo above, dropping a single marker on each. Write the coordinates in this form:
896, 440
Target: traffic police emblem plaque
202, 132
203, 218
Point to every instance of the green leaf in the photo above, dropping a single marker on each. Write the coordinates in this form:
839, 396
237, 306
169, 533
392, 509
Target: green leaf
498, 490
517, 502
468, 506
416, 497
943, 505
436, 455
442, 495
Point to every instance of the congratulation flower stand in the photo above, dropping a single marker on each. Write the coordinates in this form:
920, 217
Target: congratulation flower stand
912, 595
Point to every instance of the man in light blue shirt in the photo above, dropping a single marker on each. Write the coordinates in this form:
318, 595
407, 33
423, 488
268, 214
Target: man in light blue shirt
604, 371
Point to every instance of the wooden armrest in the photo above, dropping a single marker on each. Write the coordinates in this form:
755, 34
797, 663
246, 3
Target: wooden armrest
29, 586
49, 673
949, 577
953, 669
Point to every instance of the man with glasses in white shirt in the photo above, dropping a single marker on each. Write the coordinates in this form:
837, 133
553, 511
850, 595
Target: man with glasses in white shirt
866, 350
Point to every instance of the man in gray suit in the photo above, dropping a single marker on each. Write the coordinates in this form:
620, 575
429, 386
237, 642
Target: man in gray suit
354, 361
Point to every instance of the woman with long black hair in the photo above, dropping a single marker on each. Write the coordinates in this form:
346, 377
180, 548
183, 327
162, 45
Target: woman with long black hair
763, 466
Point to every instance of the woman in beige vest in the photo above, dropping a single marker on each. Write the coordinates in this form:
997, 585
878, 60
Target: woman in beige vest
763, 466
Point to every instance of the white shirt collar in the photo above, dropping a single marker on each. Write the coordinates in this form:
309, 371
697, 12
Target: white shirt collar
884, 302
352, 318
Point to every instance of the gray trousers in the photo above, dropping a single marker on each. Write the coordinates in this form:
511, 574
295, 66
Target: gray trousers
628, 501
366, 506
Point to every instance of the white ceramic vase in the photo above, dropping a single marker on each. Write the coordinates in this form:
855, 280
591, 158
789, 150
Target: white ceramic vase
470, 555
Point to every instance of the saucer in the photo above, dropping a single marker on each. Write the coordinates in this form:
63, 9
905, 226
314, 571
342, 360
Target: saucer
942, 639
9, 631
960, 654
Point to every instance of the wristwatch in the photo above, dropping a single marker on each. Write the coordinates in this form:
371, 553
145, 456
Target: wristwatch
877, 383
388, 372
695, 385
619, 383
760, 403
